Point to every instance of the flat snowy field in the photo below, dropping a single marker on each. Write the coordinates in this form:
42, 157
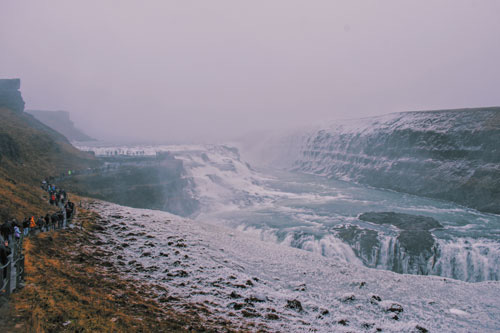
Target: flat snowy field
283, 288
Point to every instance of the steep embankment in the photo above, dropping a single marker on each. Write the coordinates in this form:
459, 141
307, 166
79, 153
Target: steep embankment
61, 122
30, 151
450, 154
141, 182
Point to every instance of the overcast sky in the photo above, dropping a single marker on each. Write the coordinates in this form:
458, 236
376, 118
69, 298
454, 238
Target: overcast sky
210, 70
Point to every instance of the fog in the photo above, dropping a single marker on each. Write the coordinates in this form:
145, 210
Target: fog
185, 70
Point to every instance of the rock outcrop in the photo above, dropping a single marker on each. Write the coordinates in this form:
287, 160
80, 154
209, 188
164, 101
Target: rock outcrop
10, 96
61, 122
415, 237
413, 250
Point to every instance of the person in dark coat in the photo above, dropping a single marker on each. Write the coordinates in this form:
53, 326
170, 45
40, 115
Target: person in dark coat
69, 212
40, 223
48, 223
60, 219
7, 229
4, 255
26, 226
71, 206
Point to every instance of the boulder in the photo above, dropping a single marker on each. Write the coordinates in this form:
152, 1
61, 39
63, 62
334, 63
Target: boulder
294, 305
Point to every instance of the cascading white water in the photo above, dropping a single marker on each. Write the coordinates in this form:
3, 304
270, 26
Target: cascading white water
468, 260
463, 259
306, 212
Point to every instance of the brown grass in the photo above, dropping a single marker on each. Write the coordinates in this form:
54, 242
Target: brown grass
67, 290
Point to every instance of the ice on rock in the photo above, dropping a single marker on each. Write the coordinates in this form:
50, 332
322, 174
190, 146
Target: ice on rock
391, 306
458, 312
347, 297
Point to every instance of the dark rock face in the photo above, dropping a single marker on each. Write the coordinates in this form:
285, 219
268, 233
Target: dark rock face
449, 154
364, 242
412, 251
417, 242
10, 96
139, 182
415, 237
10, 84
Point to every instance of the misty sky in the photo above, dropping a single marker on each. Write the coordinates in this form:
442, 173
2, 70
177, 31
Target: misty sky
211, 70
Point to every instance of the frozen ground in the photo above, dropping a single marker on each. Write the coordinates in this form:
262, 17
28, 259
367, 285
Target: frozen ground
283, 288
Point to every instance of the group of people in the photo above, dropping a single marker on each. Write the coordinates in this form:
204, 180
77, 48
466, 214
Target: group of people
56, 195
12, 230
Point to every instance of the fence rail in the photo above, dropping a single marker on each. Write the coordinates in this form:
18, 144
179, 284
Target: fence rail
12, 273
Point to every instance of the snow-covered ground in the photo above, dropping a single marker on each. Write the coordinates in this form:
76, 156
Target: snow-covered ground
287, 289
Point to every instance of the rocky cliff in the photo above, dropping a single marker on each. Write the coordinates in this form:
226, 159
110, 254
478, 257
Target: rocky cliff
138, 181
449, 154
61, 122
10, 96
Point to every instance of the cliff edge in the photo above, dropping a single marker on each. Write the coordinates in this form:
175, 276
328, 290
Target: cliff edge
61, 122
10, 96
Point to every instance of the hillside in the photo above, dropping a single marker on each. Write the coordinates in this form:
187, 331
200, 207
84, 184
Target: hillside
30, 151
61, 122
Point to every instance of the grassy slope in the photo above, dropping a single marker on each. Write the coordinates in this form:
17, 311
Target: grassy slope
71, 287
30, 151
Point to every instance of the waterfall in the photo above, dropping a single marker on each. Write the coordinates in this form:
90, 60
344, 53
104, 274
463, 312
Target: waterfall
462, 259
